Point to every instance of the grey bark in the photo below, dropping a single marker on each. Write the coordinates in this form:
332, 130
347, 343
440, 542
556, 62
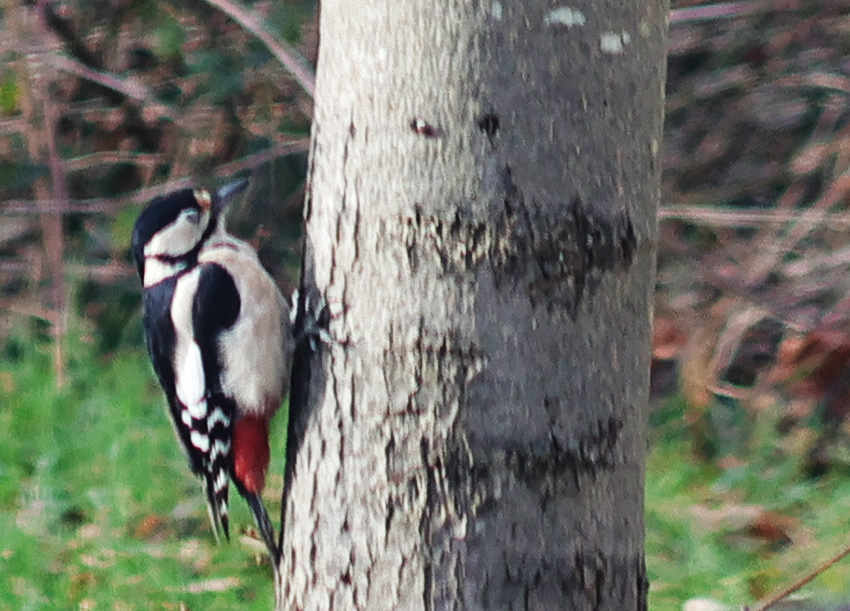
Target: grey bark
484, 181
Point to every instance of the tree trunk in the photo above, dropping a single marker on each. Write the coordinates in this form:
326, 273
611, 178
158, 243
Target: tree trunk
484, 181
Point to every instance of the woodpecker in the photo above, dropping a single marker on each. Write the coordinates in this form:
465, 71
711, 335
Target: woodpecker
218, 332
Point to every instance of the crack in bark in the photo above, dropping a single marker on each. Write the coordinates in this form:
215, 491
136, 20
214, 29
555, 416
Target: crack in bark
425, 526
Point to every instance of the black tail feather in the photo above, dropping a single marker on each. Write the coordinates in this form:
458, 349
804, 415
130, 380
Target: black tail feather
264, 524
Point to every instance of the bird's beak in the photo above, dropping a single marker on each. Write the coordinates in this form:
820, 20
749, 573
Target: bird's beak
225, 194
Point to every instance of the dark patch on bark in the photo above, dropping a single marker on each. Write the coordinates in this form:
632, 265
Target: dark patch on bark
476, 482
555, 253
574, 252
642, 584
390, 513
446, 351
440, 521
581, 580
413, 224
489, 124
421, 127
458, 243
547, 461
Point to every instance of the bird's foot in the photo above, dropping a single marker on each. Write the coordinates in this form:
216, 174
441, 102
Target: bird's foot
312, 325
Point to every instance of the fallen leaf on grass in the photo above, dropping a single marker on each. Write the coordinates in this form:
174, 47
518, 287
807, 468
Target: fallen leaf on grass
754, 520
212, 585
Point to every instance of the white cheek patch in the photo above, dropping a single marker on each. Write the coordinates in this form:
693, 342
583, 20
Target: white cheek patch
176, 239
190, 382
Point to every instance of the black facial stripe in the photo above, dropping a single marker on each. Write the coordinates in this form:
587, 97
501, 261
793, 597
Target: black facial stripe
190, 258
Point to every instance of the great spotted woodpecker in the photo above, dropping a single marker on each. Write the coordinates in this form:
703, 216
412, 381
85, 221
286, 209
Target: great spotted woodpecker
218, 332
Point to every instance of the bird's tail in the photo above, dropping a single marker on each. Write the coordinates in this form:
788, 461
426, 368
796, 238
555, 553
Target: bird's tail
264, 524
217, 492
218, 466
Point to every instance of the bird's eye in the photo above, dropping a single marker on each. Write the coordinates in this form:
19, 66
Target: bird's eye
193, 216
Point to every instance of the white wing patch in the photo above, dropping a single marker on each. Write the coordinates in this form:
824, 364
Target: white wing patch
217, 416
219, 448
221, 482
200, 441
190, 382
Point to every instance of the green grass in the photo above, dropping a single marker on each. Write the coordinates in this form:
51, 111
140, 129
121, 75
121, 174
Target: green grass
722, 558
98, 508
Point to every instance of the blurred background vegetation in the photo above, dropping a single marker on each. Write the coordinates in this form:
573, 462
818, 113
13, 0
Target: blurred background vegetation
104, 105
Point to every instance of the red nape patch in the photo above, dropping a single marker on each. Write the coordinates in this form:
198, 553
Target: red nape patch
251, 452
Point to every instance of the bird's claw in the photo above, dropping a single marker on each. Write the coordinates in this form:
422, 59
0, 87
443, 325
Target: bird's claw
313, 324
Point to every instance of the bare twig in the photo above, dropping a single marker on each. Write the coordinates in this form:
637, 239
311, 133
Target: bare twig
283, 52
103, 204
785, 592
54, 236
817, 80
52, 223
40, 117
727, 10
92, 160
720, 217
128, 87
12, 126
105, 272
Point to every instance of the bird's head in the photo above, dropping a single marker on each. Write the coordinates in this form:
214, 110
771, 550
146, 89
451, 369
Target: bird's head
170, 232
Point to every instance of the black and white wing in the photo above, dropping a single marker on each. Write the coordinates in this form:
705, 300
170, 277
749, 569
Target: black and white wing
206, 303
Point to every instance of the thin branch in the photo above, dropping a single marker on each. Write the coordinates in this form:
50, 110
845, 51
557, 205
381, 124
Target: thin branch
127, 87
12, 126
816, 80
85, 162
720, 217
103, 272
102, 204
727, 10
53, 230
89, 64
785, 592
285, 54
